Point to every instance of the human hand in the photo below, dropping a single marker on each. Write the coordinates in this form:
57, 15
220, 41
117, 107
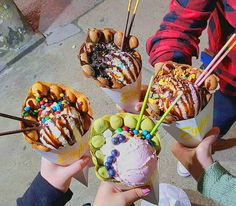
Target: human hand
196, 160
108, 194
60, 176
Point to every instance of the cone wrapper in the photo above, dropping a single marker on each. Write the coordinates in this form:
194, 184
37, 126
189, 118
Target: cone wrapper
153, 196
126, 97
190, 132
69, 154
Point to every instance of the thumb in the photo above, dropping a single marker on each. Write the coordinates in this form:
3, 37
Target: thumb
77, 166
133, 195
138, 106
211, 136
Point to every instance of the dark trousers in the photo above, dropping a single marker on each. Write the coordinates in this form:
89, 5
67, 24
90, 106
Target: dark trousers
224, 112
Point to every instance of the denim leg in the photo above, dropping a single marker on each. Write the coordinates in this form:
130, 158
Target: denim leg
224, 112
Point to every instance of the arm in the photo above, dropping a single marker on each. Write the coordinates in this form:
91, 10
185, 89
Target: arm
218, 184
51, 185
42, 193
213, 180
178, 37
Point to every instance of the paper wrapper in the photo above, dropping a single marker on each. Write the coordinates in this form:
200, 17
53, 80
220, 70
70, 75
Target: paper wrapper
126, 97
68, 154
170, 195
190, 132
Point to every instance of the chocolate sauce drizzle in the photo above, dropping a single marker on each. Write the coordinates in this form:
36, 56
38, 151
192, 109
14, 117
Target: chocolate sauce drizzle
102, 54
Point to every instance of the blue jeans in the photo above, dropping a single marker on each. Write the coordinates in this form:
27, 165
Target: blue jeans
224, 112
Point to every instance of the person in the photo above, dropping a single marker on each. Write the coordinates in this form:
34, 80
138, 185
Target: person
214, 181
178, 38
51, 188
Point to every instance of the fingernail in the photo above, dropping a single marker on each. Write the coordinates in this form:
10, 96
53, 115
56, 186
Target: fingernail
146, 191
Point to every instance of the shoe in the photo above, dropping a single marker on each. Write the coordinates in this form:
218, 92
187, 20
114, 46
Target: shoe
182, 171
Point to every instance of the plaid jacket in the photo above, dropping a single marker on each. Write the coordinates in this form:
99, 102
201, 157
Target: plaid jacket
178, 36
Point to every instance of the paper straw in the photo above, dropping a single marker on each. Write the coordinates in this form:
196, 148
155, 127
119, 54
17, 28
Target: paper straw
216, 64
215, 58
144, 103
166, 113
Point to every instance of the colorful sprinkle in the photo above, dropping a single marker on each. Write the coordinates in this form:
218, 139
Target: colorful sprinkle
37, 99
51, 116
43, 120
115, 141
27, 108
124, 128
47, 118
110, 159
25, 114
41, 102
135, 131
111, 173
107, 165
62, 95
45, 99
121, 137
148, 136
145, 132
43, 107
114, 153
119, 130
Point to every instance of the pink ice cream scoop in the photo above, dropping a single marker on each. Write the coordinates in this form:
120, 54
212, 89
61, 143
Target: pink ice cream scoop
136, 163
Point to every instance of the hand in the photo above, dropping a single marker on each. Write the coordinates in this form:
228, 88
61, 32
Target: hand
196, 160
109, 195
60, 176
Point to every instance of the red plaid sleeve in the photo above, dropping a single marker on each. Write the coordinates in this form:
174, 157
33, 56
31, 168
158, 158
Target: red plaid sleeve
178, 36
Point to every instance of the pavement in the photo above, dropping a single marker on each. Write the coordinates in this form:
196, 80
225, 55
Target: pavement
58, 63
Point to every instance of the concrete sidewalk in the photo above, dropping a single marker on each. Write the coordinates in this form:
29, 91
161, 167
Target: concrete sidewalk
58, 63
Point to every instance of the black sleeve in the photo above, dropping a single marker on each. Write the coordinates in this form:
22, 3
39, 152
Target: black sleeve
41, 193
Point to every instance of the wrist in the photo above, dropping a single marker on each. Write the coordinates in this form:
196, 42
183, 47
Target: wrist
207, 162
57, 183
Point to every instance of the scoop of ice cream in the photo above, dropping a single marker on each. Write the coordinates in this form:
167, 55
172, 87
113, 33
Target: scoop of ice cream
136, 163
63, 129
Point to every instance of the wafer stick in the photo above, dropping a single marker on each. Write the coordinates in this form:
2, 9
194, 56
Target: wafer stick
17, 118
126, 25
215, 59
19, 131
215, 65
127, 34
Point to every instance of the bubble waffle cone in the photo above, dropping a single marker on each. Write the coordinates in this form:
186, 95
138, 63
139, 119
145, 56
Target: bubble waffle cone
101, 58
134, 153
110, 124
171, 77
39, 100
